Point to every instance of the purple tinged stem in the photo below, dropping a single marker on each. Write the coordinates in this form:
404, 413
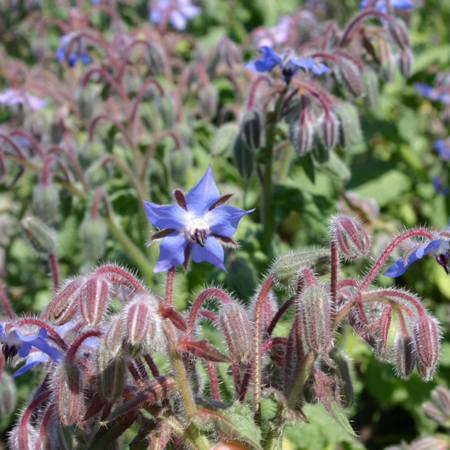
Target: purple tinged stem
6, 304
54, 269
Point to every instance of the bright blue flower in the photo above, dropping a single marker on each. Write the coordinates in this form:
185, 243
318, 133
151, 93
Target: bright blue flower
440, 187
194, 227
432, 93
77, 50
14, 342
382, 7
443, 147
437, 248
289, 63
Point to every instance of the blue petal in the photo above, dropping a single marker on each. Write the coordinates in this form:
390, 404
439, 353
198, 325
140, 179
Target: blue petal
72, 59
212, 252
166, 216
399, 267
85, 58
24, 350
30, 337
308, 63
402, 4
224, 219
203, 195
171, 251
2, 327
432, 244
267, 62
53, 352
61, 53
35, 358
270, 54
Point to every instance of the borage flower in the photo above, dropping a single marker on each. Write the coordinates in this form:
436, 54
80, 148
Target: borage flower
275, 35
72, 49
443, 148
18, 97
195, 226
381, 5
433, 93
288, 62
177, 12
438, 248
14, 342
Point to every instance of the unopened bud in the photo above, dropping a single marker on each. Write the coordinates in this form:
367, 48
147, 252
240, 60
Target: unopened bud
63, 306
350, 126
22, 437
226, 54
435, 413
405, 63
236, 328
405, 356
430, 443
110, 374
301, 132
84, 99
179, 161
387, 60
244, 158
115, 335
7, 395
441, 396
342, 372
209, 100
350, 236
92, 151
287, 267
93, 233
370, 80
314, 308
68, 391
184, 131
399, 33
224, 139
63, 437
329, 127
45, 202
251, 129
94, 300
156, 58
427, 339
350, 78
168, 111
40, 236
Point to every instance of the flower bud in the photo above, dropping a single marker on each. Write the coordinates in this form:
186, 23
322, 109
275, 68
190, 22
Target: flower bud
287, 267
441, 396
92, 151
93, 233
68, 391
405, 63
184, 131
84, 99
7, 395
244, 158
63, 437
251, 129
41, 237
405, 356
342, 373
236, 328
224, 139
156, 58
434, 413
350, 126
399, 33
427, 339
179, 161
110, 374
22, 437
94, 300
387, 60
314, 309
115, 335
301, 132
370, 80
226, 54
350, 78
329, 127
168, 111
430, 443
45, 202
350, 236
209, 100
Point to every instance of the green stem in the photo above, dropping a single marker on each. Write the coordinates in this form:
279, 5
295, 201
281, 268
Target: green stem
267, 207
303, 369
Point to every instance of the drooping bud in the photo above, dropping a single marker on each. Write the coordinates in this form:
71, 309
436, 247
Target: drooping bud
40, 236
7, 395
329, 127
68, 391
287, 267
342, 373
236, 328
405, 356
184, 131
405, 63
168, 110
427, 339
156, 58
244, 158
399, 33
84, 99
350, 236
92, 151
430, 443
115, 335
63, 306
45, 203
209, 100
440, 411
251, 129
301, 133
370, 80
110, 374
179, 161
387, 60
224, 139
314, 308
93, 233
350, 126
94, 300
350, 78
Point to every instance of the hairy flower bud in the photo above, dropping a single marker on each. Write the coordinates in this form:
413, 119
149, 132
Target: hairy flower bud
92, 151
236, 328
45, 202
287, 267
251, 129
168, 110
405, 62
7, 395
427, 339
430, 443
342, 373
115, 335
156, 58
209, 100
350, 236
244, 158
405, 356
387, 60
314, 308
94, 300
399, 33
63, 306
370, 80
440, 409
85, 100
329, 127
179, 161
93, 233
350, 78
40, 236
301, 132
68, 391
224, 139
350, 126
110, 374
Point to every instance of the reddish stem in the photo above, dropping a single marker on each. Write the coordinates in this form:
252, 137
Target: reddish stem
169, 287
271, 342
237, 378
334, 274
214, 380
141, 93
54, 269
152, 365
127, 276
278, 315
45, 174
254, 87
33, 141
79, 340
5, 302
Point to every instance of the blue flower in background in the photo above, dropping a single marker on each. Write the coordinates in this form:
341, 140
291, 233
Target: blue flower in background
18, 97
14, 342
177, 12
196, 226
289, 63
432, 93
381, 5
443, 147
437, 248
72, 51
439, 186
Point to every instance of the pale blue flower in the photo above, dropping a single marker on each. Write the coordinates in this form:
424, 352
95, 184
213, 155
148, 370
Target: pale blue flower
381, 5
432, 93
77, 50
18, 97
443, 147
177, 12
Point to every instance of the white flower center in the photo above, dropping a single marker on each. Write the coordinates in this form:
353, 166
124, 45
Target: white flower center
197, 230
441, 249
11, 339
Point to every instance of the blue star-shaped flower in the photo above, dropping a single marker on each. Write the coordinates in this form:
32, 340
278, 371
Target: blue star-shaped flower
438, 248
77, 50
432, 93
289, 63
381, 6
178, 12
14, 342
443, 147
195, 226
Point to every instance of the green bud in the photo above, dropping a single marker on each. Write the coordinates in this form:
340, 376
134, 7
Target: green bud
224, 139
370, 80
84, 99
40, 236
350, 126
45, 202
110, 374
168, 111
93, 235
179, 161
92, 151
244, 158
